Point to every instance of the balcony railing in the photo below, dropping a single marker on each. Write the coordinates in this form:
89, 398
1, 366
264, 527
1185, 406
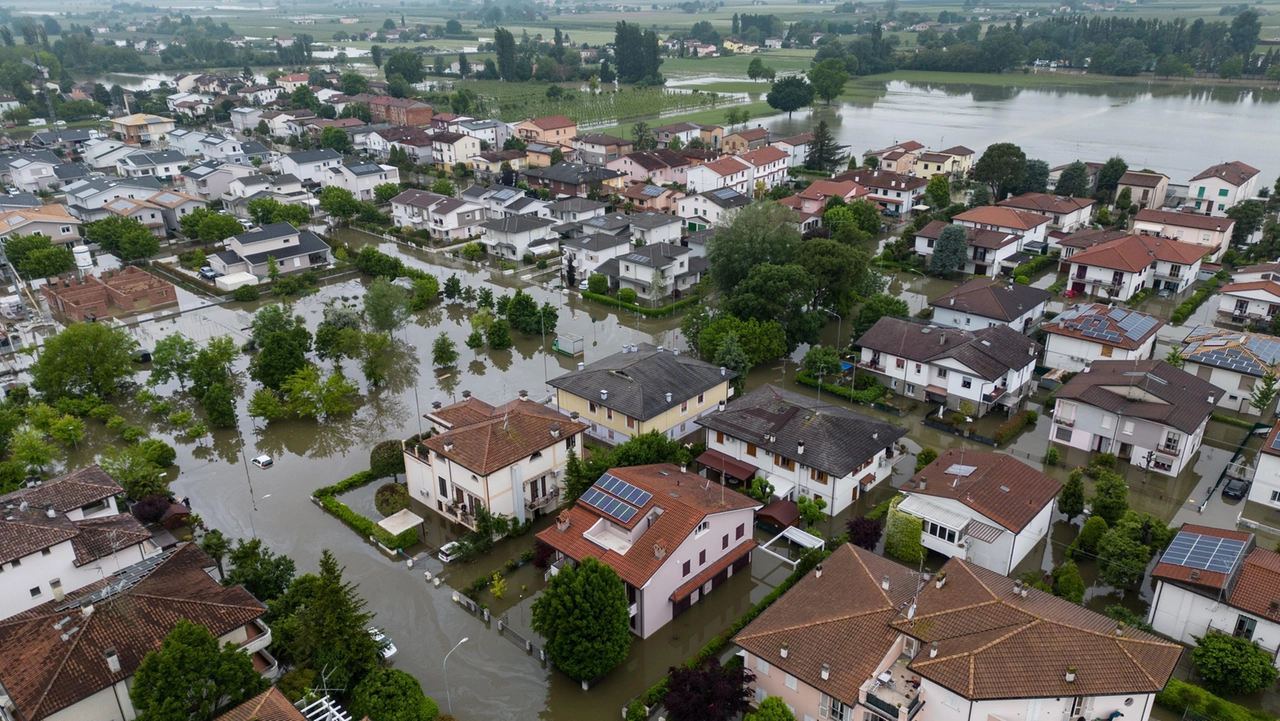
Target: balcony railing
995, 395
549, 499
634, 609
871, 365
1068, 422
880, 704
916, 704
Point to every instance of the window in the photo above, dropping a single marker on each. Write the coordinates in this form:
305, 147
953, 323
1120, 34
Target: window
900, 363
684, 407
784, 462
791, 682
942, 372
701, 398
1245, 627
740, 531
819, 476
1128, 428
46, 552
719, 437
762, 666
1222, 192
702, 557
1108, 422
684, 570
35, 592
938, 531
917, 368
17, 562
591, 407
966, 382
1171, 441
911, 390
631, 422
702, 528
751, 450
608, 413
724, 542
1107, 351
1275, 496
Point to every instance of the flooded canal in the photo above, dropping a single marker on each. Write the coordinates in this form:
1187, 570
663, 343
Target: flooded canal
490, 677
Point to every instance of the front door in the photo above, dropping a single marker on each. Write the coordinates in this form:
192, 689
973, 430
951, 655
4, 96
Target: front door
1126, 451
1077, 287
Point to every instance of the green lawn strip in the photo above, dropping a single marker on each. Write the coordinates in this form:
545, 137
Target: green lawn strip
367, 527
757, 111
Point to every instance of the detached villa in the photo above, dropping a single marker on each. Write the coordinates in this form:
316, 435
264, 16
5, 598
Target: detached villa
294, 251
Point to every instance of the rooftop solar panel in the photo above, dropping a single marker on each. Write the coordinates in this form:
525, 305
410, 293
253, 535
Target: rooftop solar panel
652, 191
1208, 553
623, 490
609, 505
724, 193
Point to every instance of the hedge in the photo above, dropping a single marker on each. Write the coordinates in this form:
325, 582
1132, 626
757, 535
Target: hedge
1231, 421
716, 645
1035, 265
902, 535
870, 394
1188, 306
662, 312
1178, 696
365, 526
1010, 428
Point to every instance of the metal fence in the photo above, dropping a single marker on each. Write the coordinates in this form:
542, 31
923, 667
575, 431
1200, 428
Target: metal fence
957, 432
529, 646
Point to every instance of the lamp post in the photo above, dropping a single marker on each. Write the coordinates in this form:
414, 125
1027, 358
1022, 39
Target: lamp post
839, 328
448, 700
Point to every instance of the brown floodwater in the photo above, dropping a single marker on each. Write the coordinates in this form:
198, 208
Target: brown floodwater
490, 676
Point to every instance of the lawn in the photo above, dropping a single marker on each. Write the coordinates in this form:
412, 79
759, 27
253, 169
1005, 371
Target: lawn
736, 65
707, 117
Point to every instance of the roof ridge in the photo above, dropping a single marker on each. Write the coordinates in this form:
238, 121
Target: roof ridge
170, 599
811, 624
53, 677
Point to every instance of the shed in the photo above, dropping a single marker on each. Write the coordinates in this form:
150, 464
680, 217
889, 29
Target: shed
235, 280
400, 521
779, 514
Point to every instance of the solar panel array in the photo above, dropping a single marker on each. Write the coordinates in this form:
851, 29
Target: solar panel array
1136, 325
623, 490
652, 191
1275, 445
505, 194
1207, 553
609, 505
725, 193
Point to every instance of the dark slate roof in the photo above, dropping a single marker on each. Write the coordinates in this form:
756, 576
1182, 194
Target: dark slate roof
19, 200
726, 198
576, 205
990, 352
361, 168
315, 156
307, 243
1183, 400
637, 383
836, 440
995, 299
655, 255
597, 241
572, 173
70, 171
267, 232
517, 224
253, 147
72, 135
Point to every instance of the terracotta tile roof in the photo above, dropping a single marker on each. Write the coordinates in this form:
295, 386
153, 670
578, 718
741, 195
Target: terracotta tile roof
726, 166
44, 674
56, 213
103, 536
1090, 238
764, 156
753, 134
511, 432
935, 158
685, 499
710, 572
1001, 488
68, 491
1044, 203
1142, 180
977, 237
270, 705
1234, 172
1269, 286
551, 122
1201, 577
1272, 267
1133, 253
957, 151
1258, 588
1185, 220
1165, 394
1096, 318
995, 644
996, 299
883, 179
823, 189
841, 619
1232, 350
1002, 217
641, 191
22, 533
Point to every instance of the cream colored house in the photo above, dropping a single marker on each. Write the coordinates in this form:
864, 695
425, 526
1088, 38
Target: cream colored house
644, 388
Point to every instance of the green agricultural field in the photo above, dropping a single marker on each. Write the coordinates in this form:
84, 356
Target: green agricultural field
708, 117
516, 101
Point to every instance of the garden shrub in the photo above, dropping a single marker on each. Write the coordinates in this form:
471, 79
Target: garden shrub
391, 498
386, 459
1012, 427
924, 458
902, 536
245, 293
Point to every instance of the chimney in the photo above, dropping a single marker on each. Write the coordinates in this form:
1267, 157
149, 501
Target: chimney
684, 468
50, 512
581, 365
562, 522
524, 395
942, 339
884, 582
435, 405
660, 349
953, 301
922, 487
633, 347
1070, 676
668, 397
720, 405
604, 394
555, 430
940, 581
574, 416
817, 571
624, 347
722, 371
659, 551
933, 650
466, 394
448, 445
113, 661
1031, 350
1211, 399
826, 671
783, 650
86, 607
1195, 574
676, 351
799, 448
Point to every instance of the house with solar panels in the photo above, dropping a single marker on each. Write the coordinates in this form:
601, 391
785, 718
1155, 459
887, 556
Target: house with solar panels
1146, 412
1232, 360
710, 208
361, 178
1262, 507
671, 535
1087, 332
1211, 580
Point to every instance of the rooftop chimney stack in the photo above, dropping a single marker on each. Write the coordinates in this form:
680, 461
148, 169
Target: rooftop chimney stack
668, 396
524, 395
933, 650
723, 371
826, 672
466, 394
817, 571
86, 607
574, 416
581, 365
113, 660
884, 582
604, 394
799, 448
435, 405
448, 445
555, 430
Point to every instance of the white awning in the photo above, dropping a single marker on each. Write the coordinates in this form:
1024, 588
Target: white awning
801, 537
781, 486
400, 521
920, 507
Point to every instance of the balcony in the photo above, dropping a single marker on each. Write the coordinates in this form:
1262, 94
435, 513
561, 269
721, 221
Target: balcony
994, 395
633, 610
871, 365
266, 664
259, 637
545, 501
1068, 422
893, 694
1166, 275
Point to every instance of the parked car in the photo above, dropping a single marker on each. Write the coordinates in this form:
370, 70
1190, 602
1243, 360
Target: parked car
264, 462
209, 273
584, 285
1070, 293
449, 552
37, 122
1236, 488
388, 648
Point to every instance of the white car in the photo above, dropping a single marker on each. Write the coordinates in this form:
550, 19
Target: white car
388, 648
263, 462
37, 122
584, 285
448, 552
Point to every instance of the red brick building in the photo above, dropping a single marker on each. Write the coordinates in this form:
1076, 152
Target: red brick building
125, 289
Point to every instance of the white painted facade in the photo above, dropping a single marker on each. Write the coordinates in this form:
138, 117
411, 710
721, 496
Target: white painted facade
1213, 196
1073, 354
955, 318
1088, 428
910, 378
1182, 614
1001, 555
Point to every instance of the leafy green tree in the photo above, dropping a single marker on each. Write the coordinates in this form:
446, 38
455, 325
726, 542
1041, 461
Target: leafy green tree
828, 79
386, 306
838, 269
1169, 66
262, 572
1002, 167
426, 290
219, 406
443, 187
28, 447
84, 359
781, 293
475, 340
1110, 173
1074, 181
1264, 391
216, 227
598, 283
790, 94
123, 236
335, 138
384, 192
266, 405
158, 452
821, 361
191, 679
388, 694
407, 65
132, 469
68, 431
444, 352
877, 307
772, 708
1232, 68
265, 211
1067, 582
1110, 497
18, 247
339, 201
811, 509
1127, 547
281, 356
583, 616
171, 359
924, 458
1248, 216
902, 536
1231, 666
980, 197
212, 363
1071, 497
329, 632
498, 335
759, 233
950, 252
1036, 178
732, 357
46, 262
216, 546
938, 192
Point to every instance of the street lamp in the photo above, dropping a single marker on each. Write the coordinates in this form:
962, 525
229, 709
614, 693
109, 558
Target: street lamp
447, 699
839, 328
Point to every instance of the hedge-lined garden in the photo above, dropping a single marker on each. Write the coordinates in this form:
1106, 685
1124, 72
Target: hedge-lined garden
660, 312
870, 394
327, 496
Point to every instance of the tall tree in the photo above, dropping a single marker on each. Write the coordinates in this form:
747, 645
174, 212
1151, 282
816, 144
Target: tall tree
707, 693
331, 630
504, 44
781, 293
171, 359
823, 151
1036, 179
1002, 167
583, 615
759, 233
386, 306
1110, 497
949, 252
1071, 497
938, 192
191, 679
389, 694
877, 307
1074, 181
84, 359
790, 94
828, 79
733, 357
1264, 391
1110, 173
262, 573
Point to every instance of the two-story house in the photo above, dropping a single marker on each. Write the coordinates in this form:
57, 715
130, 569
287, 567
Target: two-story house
656, 270
989, 368
769, 166
726, 172
600, 149
1146, 190
246, 118
583, 254
644, 388
1032, 228
516, 236
361, 178
110, 626
862, 638
1145, 412
493, 132
1065, 213
500, 201
489, 165
649, 197
509, 459
310, 166
32, 171
897, 158
281, 187
712, 135
443, 217
661, 166
449, 149
710, 208
294, 251
164, 164
982, 302
1086, 332
63, 535
799, 446
987, 253
1213, 580
1222, 186
1120, 268
989, 509
1242, 303
670, 536
576, 210
1212, 234
103, 154
1233, 361
211, 179
552, 130
141, 128
896, 194
51, 221
745, 140
575, 180
174, 206
1262, 507
796, 147
88, 199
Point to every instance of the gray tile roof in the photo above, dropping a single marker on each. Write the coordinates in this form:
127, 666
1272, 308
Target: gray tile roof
516, 224
572, 173
307, 243
597, 242
998, 300
1184, 401
315, 156
576, 205
267, 232
990, 352
836, 440
637, 383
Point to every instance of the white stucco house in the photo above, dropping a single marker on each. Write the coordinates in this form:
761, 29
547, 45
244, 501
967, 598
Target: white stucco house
1088, 332
982, 302
1243, 303
1065, 213
516, 236
1221, 186
361, 178
310, 166
1234, 361
1120, 268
